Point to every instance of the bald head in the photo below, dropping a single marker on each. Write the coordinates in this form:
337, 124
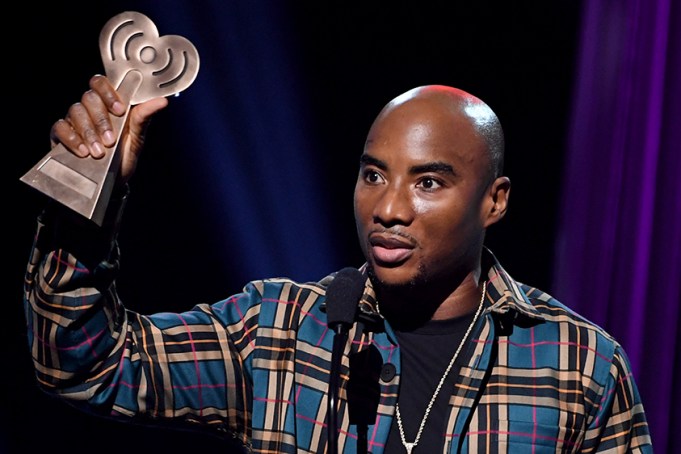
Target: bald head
456, 105
426, 192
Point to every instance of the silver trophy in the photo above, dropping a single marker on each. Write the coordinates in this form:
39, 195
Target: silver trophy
143, 66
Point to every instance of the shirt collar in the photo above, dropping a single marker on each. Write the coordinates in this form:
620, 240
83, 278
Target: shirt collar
504, 291
507, 299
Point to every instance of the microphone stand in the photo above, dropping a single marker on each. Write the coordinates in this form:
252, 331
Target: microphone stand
362, 430
342, 297
339, 340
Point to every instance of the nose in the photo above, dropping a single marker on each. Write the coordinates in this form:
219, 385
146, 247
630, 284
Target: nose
394, 206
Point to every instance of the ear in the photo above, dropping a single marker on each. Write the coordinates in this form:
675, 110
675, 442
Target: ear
497, 201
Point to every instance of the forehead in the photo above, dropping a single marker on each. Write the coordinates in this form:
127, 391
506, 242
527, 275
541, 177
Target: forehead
424, 130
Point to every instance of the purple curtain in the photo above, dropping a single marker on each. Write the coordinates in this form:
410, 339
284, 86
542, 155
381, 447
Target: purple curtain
618, 251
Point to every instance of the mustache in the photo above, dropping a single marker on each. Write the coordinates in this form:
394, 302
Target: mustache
395, 232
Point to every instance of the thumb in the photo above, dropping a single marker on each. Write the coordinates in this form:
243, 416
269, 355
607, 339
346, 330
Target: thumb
138, 120
141, 114
133, 134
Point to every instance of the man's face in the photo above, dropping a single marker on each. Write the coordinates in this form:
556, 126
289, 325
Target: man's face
419, 195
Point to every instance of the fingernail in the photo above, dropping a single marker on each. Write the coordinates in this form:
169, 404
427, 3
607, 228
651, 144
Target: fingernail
109, 137
118, 108
84, 151
97, 150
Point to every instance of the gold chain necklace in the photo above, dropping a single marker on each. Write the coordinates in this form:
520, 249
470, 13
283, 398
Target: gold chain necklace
410, 446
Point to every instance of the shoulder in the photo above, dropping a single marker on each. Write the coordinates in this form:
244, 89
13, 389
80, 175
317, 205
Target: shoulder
276, 291
568, 326
555, 310
283, 287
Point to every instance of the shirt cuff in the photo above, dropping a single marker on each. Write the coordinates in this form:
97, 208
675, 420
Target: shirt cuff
88, 242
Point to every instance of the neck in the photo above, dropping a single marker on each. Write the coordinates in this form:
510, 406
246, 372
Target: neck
463, 300
410, 307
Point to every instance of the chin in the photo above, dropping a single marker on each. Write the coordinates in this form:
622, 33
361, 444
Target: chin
395, 278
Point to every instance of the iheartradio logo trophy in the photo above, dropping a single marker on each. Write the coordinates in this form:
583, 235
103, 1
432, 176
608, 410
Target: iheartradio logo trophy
142, 65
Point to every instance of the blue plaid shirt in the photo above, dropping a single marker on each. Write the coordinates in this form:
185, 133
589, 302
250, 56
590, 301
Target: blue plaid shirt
255, 366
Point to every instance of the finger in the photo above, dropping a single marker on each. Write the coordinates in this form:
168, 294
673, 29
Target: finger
98, 114
84, 126
102, 86
62, 132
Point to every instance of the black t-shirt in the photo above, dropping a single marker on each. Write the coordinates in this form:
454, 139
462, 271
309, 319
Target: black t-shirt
425, 354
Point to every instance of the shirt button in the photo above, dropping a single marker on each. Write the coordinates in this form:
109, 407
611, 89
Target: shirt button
388, 372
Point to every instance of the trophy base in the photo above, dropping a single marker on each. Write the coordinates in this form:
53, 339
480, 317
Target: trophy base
84, 184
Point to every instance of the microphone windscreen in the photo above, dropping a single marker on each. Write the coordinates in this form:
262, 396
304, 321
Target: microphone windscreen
342, 297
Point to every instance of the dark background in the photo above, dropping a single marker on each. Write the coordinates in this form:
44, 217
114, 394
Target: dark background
517, 56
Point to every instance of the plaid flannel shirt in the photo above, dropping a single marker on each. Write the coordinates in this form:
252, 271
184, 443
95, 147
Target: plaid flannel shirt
539, 378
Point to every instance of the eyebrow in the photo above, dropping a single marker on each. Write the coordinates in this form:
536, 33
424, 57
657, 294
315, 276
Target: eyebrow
368, 160
434, 167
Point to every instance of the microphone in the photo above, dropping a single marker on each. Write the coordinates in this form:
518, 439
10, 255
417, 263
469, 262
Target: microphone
342, 297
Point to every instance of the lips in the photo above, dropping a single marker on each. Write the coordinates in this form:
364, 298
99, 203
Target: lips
390, 249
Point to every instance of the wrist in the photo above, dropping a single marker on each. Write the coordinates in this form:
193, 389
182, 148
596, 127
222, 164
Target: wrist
88, 242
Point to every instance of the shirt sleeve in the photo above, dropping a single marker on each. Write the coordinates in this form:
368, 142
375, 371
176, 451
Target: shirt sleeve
620, 423
187, 368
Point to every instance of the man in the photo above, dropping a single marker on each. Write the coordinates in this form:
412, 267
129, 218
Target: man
447, 353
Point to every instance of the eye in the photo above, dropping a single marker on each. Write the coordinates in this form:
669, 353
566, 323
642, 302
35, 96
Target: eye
372, 177
429, 184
